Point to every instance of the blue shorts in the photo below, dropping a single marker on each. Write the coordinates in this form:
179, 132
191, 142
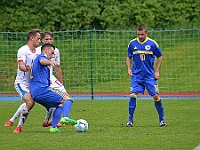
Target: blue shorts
138, 86
50, 98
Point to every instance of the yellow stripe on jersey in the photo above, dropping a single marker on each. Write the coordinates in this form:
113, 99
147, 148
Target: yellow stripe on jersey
147, 38
131, 41
143, 41
64, 96
153, 41
58, 92
142, 52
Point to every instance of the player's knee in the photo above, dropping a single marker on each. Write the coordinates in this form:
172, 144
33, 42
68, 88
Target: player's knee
30, 104
133, 95
156, 97
70, 99
28, 99
64, 100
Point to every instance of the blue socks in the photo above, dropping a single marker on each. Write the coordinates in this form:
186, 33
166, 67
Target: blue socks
66, 108
131, 108
160, 109
56, 116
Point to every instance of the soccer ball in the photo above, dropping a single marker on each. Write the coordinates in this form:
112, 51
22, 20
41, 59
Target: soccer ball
81, 126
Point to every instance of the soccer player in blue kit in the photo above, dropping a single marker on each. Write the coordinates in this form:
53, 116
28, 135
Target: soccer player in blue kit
141, 56
45, 95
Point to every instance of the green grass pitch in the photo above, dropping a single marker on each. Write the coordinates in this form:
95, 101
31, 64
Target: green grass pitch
107, 131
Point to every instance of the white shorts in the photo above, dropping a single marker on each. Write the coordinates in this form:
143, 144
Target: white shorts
58, 86
22, 89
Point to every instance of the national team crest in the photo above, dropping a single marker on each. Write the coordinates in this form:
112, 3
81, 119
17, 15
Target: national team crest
147, 47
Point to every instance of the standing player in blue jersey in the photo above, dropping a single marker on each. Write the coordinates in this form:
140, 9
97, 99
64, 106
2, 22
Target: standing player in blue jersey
141, 56
45, 95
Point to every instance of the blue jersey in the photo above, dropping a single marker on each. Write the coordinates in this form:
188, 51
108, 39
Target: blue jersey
143, 55
40, 77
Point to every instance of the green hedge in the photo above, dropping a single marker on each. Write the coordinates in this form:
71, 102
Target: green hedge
62, 15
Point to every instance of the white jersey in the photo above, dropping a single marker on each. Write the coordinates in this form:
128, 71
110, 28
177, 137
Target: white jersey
57, 59
25, 55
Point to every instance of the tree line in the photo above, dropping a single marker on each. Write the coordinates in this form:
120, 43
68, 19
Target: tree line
59, 15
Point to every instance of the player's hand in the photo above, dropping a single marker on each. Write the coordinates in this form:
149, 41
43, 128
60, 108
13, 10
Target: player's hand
157, 75
130, 72
28, 67
53, 63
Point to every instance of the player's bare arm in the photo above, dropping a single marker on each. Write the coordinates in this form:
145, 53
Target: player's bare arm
59, 73
23, 67
128, 65
158, 66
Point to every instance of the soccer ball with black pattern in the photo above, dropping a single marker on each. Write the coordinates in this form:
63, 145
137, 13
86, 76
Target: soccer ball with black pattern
81, 126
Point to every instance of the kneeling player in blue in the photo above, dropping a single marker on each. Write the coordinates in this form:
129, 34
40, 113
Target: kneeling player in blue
43, 94
141, 55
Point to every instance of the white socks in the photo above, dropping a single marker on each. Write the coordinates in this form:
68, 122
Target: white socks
23, 116
18, 112
49, 115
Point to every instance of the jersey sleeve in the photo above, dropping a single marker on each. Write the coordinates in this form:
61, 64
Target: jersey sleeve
42, 56
57, 57
130, 50
21, 55
157, 51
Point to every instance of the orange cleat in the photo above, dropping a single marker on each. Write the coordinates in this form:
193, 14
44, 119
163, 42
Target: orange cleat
8, 123
50, 123
44, 124
18, 129
59, 125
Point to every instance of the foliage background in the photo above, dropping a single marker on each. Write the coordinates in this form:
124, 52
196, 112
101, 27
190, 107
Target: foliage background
56, 15
111, 26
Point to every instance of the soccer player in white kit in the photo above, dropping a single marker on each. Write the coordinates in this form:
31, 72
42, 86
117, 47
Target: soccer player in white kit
25, 56
55, 83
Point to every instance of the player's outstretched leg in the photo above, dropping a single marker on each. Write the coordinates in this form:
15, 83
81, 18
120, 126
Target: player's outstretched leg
23, 116
15, 116
67, 120
66, 108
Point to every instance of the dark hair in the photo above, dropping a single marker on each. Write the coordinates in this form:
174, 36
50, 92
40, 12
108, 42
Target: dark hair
141, 27
32, 32
47, 33
47, 45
